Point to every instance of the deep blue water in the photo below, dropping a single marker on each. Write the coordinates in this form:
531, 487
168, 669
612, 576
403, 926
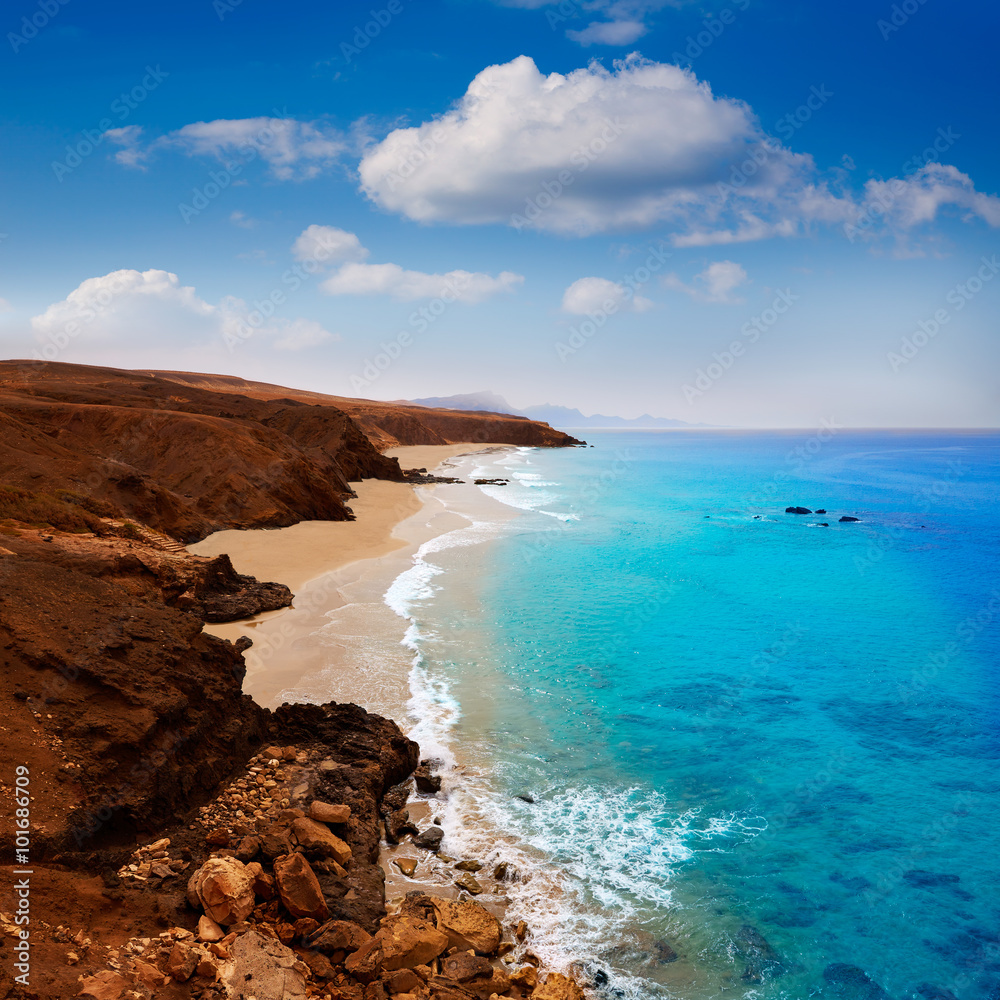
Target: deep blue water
730, 717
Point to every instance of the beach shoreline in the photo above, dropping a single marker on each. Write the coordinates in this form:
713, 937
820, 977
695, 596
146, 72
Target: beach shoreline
339, 640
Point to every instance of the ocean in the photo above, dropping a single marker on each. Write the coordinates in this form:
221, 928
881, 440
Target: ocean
730, 751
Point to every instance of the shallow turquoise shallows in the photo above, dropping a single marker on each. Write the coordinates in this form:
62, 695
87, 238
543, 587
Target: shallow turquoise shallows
767, 744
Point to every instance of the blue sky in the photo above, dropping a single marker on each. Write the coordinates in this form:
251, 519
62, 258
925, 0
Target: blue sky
731, 212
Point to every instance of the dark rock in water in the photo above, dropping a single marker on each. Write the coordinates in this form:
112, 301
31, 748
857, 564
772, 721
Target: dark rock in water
426, 782
846, 518
662, 952
430, 839
530, 799
853, 883
797, 510
848, 982
823, 524
930, 992
763, 962
928, 880
756, 517
491, 482
822, 510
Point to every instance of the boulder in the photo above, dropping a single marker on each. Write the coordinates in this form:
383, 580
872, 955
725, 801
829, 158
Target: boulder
218, 838
299, 888
274, 840
181, 962
465, 965
403, 981
525, 978
247, 848
149, 975
270, 966
797, 510
469, 884
557, 987
223, 888
339, 935
427, 782
406, 942
317, 839
104, 985
406, 865
430, 839
401, 943
324, 812
468, 925
209, 930
398, 825
846, 518
468, 866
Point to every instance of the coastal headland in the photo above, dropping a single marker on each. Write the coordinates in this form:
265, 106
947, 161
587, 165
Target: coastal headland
164, 835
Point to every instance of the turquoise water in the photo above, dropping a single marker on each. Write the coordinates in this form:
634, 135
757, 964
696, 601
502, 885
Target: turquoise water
737, 726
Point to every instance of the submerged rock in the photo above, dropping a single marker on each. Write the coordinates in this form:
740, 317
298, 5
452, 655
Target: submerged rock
763, 962
848, 982
797, 510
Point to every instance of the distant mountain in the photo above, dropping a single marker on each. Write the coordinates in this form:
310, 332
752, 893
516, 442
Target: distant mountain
563, 416
555, 416
490, 402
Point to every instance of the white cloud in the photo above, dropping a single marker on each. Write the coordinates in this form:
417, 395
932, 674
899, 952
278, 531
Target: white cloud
242, 220
608, 33
293, 150
643, 144
302, 333
715, 284
647, 143
132, 308
903, 204
626, 18
591, 295
328, 244
391, 279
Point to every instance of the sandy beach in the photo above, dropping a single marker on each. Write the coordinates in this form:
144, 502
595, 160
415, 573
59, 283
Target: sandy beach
339, 641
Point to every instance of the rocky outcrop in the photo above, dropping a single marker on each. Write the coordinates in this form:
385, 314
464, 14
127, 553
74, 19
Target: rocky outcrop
398, 423
184, 460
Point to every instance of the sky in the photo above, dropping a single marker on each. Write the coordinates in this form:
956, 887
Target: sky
755, 213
